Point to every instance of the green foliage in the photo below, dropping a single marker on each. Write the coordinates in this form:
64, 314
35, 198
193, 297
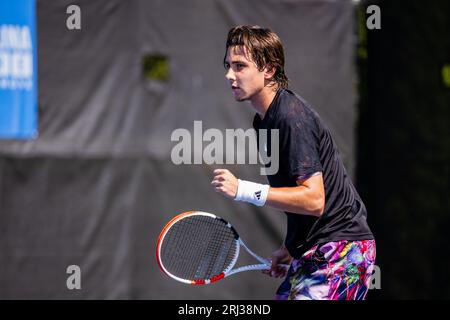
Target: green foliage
156, 67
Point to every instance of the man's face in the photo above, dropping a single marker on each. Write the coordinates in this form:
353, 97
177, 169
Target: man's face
245, 79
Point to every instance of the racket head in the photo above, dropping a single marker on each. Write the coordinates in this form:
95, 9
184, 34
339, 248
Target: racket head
197, 247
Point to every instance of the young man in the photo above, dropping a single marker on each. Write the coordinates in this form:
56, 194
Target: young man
329, 245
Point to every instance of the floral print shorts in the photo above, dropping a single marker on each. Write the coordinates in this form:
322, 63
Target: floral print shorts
338, 270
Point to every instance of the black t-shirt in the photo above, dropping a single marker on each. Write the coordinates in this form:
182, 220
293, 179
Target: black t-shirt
306, 147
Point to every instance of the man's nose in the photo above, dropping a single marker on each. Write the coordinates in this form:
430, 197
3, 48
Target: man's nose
229, 75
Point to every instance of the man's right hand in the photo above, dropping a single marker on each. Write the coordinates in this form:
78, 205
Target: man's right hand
280, 257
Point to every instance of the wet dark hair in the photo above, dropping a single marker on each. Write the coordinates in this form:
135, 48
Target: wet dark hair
264, 46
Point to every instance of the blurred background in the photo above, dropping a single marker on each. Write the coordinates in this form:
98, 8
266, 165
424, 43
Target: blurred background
89, 98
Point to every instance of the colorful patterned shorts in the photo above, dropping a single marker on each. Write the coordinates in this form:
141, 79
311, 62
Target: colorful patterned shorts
339, 270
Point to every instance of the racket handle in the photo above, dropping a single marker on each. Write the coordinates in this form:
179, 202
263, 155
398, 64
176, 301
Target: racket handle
255, 267
249, 268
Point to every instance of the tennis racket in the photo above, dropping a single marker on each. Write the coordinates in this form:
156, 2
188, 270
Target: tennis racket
199, 248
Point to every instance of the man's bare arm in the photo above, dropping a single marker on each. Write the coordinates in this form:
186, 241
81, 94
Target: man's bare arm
307, 198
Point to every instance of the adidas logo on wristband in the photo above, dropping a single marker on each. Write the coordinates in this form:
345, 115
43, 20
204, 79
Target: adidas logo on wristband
251, 192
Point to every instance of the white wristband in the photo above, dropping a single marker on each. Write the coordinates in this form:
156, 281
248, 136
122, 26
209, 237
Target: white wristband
252, 192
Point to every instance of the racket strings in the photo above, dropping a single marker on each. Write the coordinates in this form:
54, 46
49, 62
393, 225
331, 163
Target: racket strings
198, 247
207, 260
191, 257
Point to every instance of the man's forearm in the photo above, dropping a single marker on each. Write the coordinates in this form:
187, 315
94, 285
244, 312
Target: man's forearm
307, 198
300, 199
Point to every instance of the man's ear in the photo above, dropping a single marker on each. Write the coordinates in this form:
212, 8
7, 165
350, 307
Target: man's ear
269, 72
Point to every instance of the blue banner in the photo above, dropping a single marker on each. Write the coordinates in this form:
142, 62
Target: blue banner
18, 69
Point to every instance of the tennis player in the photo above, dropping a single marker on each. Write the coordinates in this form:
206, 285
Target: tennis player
328, 244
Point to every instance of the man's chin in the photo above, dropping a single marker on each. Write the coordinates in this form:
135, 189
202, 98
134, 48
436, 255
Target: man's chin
240, 98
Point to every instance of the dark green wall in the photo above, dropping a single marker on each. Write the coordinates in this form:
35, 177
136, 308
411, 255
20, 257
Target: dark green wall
403, 147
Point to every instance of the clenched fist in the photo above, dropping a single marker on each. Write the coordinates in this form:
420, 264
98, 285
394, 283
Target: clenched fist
225, 183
